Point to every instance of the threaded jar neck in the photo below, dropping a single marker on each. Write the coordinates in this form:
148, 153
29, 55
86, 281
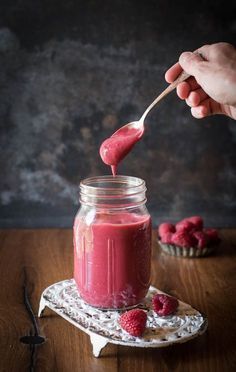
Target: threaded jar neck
113, 192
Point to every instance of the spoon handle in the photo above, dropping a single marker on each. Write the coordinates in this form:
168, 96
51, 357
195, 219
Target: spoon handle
182, 77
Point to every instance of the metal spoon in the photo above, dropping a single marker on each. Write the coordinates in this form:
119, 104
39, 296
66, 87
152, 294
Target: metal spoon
139, 124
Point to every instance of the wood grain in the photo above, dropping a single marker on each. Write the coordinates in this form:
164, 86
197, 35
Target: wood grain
46, 256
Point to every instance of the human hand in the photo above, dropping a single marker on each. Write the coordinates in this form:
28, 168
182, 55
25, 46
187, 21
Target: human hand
211, 89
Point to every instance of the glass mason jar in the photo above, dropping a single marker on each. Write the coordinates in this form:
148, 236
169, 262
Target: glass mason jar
112, 242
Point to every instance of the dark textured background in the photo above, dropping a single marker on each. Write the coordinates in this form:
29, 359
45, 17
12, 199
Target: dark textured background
71, 72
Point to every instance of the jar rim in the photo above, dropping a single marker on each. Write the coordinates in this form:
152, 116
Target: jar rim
113, 191
113, 185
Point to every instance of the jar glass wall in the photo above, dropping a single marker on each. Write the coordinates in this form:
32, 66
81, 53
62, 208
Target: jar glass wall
112, 242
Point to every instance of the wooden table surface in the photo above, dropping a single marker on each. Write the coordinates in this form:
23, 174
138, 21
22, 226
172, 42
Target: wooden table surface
42, 257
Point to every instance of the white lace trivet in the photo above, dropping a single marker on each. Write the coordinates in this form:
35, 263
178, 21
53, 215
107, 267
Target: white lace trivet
103, 325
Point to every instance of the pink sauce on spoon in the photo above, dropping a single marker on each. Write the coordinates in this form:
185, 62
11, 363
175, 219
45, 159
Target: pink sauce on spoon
116, 147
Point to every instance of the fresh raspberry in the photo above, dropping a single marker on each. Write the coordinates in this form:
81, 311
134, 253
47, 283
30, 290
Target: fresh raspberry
197, 221
134, 322
167, 238
212, 236
185, 226
165, 228
183, 239
164, 305
201, 238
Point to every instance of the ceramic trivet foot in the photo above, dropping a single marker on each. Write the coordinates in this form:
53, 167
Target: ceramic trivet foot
103, 325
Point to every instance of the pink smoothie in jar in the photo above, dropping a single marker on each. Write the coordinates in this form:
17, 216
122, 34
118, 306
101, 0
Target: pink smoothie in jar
112, 243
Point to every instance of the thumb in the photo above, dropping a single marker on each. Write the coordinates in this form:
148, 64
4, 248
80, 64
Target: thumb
193, 64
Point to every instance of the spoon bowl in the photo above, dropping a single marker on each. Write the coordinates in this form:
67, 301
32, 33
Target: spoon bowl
128, 129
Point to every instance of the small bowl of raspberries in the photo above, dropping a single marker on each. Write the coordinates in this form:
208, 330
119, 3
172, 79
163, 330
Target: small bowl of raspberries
187, 238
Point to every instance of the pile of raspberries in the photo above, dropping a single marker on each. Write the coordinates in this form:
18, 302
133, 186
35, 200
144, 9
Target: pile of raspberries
187, 233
